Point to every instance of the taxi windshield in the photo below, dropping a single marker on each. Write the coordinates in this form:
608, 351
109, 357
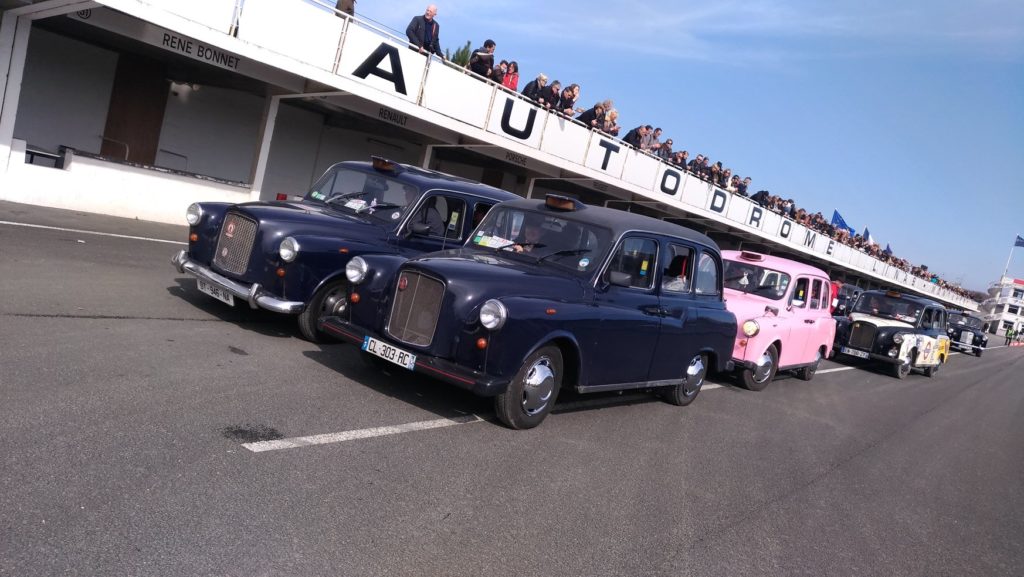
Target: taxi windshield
885, 306
959, 320
543, 238
367, 194
755, 280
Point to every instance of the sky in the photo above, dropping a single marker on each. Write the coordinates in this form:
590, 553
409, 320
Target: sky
907, 117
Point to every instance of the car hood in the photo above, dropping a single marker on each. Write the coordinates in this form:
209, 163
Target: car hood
294, 218
747, 307
484, 275
879, 321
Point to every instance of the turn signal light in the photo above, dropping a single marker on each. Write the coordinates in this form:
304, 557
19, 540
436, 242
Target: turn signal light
193, 237
353, 298
551, 311
280, 272
481, 343
343, 250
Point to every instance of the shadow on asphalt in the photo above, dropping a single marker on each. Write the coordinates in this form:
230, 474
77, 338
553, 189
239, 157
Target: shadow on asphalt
259, 321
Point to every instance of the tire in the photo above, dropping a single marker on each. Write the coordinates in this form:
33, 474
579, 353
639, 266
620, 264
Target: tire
901, 370
758, 380
533, 392
932, 371
317, 306
978, 352
807, 373
693, 379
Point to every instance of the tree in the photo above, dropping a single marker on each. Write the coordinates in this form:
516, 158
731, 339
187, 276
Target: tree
461, 55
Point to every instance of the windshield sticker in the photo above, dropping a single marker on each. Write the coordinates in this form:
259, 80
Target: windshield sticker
492, 241
316, 194
906, 318
643, 268
356, 204
583, 264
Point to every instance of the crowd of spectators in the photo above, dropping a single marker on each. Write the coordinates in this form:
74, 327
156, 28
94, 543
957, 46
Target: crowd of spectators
602, 116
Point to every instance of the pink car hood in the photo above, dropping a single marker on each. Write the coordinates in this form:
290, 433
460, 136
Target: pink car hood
747, 307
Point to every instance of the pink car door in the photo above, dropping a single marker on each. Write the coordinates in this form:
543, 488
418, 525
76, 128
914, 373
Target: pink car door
818, 320
799, 307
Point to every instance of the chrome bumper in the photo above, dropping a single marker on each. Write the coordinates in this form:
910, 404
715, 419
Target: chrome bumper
252, 294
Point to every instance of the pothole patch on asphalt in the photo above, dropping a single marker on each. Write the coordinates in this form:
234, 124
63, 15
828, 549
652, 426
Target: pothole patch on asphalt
249, 433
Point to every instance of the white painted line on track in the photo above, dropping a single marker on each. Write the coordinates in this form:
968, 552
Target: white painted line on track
836, 370
296, 442
77, 231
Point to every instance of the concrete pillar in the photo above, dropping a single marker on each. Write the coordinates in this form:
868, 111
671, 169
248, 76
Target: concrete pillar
267, 136
14, 32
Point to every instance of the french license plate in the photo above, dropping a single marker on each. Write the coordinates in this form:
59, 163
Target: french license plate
389, 353
854, 353
215, 291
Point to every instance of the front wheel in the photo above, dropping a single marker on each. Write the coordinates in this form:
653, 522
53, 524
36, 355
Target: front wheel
757, 379
532, 393
684, 393
318, 306
979, 351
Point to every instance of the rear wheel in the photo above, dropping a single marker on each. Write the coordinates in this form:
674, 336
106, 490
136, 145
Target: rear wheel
693, 379
933, 370
757, 378
807, 373
532, 393
318, 306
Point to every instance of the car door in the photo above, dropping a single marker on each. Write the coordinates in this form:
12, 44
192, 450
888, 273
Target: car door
444, 214
935, 341
680, 324
630, 313
801, 309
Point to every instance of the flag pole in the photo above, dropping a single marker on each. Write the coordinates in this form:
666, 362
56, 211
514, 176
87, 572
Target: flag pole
1005, 270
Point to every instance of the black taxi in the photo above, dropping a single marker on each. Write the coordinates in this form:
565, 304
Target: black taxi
904, 331
548, 294
967, 333
289, 256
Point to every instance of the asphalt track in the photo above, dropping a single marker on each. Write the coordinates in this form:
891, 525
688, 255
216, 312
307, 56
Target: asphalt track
130, 403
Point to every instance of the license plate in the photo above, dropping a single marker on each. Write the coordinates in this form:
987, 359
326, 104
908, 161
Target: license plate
854, 353
215, 291
389, 353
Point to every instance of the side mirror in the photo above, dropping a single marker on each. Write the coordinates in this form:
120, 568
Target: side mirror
620, 279
419, 228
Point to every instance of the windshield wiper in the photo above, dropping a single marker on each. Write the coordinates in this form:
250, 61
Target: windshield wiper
564, 252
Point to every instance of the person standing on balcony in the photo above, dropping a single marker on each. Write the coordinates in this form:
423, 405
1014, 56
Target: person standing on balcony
423, 32
482, 60
346, 6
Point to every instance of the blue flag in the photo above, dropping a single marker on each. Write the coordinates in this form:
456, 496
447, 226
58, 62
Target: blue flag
1019, 241
887, 250
837, 221
867, 236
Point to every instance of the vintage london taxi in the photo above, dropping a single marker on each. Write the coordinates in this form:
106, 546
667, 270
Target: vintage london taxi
548, 294
782, 310
967, 333
289, 256
903, 331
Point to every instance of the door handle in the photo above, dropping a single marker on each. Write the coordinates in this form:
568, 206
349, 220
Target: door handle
655, 310
809, 321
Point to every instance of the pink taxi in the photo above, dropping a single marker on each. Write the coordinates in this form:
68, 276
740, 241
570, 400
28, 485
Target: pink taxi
782, 313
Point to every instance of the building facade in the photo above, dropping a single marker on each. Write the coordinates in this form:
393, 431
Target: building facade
1004, 309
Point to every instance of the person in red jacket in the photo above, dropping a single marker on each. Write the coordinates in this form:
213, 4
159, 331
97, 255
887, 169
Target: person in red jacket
836, 285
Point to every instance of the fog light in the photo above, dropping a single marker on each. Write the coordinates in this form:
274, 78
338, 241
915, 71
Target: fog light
481, 343
353, 298
193, 237
893, 352
280, 272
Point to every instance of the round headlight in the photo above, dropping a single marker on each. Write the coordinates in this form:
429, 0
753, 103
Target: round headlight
193, 214
493, 315
897, 338
356, 269
751, 328
289, 249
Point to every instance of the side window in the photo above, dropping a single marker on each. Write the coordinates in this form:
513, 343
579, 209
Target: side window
799, 299
635, 258
676, 275
816, 300
926, 318
443, 214
706, 281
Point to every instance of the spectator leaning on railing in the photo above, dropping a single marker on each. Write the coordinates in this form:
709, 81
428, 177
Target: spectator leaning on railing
549, 96
482, 60
346, 6
533, 88
423, 32
511, 78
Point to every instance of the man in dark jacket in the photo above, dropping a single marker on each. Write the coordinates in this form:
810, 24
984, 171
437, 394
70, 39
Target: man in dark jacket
482, 60
633, 137
593, 116
549, 96
534, 87
423, 32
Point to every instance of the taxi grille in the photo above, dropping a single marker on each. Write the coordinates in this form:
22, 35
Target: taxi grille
235, 243
416, 308
862, 335
967, 337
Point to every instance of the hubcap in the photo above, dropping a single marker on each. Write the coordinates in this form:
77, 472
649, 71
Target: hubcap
763, 368
538, 386
694, 376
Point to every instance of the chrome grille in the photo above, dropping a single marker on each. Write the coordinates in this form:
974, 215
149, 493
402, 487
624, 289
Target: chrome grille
234, 245
967, 337
416, 308
862, 335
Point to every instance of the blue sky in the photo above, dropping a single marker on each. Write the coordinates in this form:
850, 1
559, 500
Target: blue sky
907, 117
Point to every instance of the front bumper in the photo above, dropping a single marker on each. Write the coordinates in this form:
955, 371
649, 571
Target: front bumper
253, 294
871, 356
965, 347
474, 381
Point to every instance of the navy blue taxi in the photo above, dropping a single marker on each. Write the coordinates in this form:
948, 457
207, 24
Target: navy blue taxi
545, 294
289, 256
967, 333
